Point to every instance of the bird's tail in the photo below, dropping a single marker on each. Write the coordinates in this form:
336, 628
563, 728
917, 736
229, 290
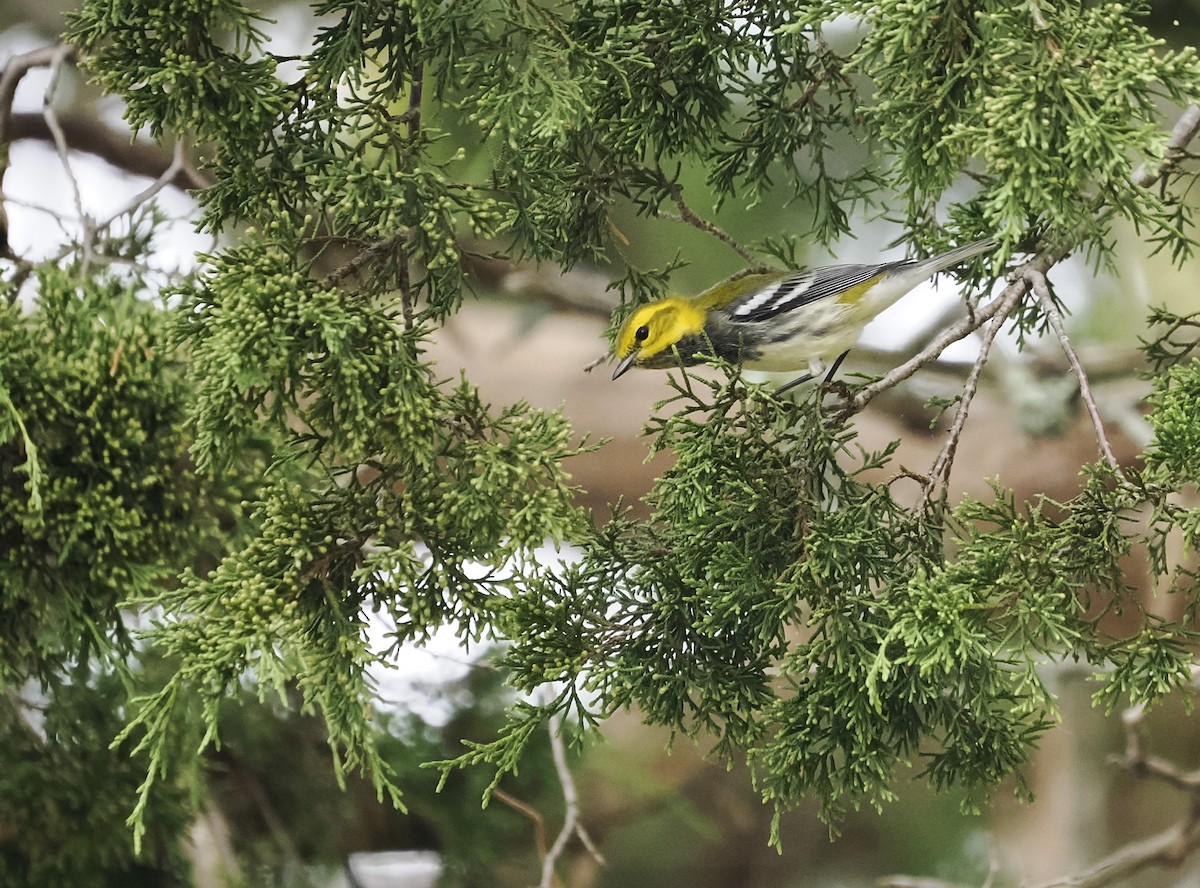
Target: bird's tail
900, 277
931, 266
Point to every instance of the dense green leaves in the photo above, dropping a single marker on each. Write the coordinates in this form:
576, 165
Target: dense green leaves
98, 503
184, 66
1047, 109
1177, 434
66, 795
794, 612
778, 601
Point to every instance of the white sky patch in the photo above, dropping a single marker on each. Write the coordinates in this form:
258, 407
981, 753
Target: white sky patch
421, 678
41, 206
40, 193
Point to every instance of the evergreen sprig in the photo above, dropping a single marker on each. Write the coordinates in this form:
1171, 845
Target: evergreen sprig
780, 600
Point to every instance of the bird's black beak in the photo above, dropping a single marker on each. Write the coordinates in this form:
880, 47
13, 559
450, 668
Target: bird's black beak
626, 363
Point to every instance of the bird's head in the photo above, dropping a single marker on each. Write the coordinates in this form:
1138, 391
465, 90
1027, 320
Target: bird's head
648, 335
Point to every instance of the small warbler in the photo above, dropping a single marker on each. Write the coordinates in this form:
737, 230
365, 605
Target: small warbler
787, 320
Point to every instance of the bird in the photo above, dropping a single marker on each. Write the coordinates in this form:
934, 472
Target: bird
778, 321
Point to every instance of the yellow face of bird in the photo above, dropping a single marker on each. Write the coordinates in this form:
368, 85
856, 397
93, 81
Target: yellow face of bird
647, 336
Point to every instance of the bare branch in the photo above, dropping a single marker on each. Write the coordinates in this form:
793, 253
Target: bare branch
1184, 131
1186, 128
916, 882
1168, 848
405, 286
369, 254
178, 162
1040, 289
1136, 760
534, 815
62, 53
571, 823
414, 100
903, 881
570, 797
580, 290
413, 116
76, 132
588, 843
940, 473
1018, 286
10, 79
90, 136
688, 215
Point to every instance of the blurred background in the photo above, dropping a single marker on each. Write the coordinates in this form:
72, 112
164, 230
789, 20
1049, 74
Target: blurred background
273, 813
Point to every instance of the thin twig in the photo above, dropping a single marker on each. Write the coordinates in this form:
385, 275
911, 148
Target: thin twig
534, 815
586, 839
1186, 128
1018, 286
178, 162
1136, 760
405, 286
571, 823
940, 473
87, 134
1169, 848
31, 715
1040, 289
61, 54
14, 70
689, 216
993, 865
177, 172
1182, 133
10, 78
365, 257
570, 798
904, 881
414, 100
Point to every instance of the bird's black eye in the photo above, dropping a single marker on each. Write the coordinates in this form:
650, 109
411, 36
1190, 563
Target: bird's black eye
641, 333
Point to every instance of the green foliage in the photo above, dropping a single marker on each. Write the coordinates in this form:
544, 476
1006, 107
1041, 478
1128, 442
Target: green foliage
1051, 106
271, 345
98, 503
780, 601
67, 795
290, 605
1176, 432
169, 64
788, 608
100, 507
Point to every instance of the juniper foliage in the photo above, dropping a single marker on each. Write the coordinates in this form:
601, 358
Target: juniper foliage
779, 603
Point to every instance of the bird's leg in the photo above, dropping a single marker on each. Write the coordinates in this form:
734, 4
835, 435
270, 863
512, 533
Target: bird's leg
840, 389
834, 368
814, 370
815, 366
788, 386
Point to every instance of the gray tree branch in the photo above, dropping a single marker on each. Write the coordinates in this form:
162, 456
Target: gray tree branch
91, 136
